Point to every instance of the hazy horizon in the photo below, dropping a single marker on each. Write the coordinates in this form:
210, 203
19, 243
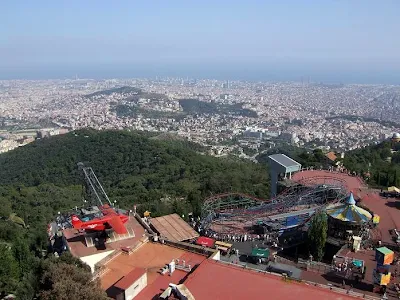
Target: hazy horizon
328, 41
231, 72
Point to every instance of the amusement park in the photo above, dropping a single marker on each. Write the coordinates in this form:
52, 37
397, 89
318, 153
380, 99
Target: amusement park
241, 232
273, 234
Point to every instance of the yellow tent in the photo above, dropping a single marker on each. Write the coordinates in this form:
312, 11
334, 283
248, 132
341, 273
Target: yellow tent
393, 189
146, 213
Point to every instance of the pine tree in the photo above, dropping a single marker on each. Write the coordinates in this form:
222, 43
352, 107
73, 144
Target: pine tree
317, 234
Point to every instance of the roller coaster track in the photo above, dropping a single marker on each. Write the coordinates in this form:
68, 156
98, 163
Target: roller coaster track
242, 208
218, 197
260, 204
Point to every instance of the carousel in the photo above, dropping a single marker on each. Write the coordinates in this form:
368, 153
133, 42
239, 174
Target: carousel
347, 219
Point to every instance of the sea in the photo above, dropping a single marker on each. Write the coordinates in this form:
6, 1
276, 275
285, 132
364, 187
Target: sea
243, 72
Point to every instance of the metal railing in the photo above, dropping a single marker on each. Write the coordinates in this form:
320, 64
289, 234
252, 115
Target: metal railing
300, 281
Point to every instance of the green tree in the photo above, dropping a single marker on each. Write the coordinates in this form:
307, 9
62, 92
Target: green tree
385, 153
67, 278
396, 177
22, 255
317, 234
319, 155
396, 158
9, 273
5, 207
194, 198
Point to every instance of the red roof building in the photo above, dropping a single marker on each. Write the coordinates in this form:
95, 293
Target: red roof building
130, 285
130, 278
151, 257
331, 156
216, 280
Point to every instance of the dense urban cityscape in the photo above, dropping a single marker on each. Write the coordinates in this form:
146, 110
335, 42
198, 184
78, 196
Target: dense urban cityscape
200, 150
226, 115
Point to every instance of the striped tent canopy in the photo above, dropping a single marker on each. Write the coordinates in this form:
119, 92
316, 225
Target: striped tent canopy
349, 212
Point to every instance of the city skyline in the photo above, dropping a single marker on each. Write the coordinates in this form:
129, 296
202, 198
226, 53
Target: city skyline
332, 41
213, 113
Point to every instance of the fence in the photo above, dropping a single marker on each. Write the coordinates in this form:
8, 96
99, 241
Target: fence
144, 224
342, 291
299, 281
314, 266
332, 170
282, 260
192, 248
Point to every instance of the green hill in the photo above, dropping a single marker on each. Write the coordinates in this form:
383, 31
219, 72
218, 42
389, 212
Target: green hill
195, 106
133, 167
163, 176
380, 161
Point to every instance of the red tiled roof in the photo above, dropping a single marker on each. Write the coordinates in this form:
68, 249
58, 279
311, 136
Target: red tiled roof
331, 155
160, 283
130, 278
152, 257
157, 283
216, 280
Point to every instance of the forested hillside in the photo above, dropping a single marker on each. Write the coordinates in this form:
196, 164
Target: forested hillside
132, 167
380, 161
194, 106
42, 178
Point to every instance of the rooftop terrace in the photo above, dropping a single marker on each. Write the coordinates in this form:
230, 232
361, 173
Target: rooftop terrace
151, 257
77, 245
237, 283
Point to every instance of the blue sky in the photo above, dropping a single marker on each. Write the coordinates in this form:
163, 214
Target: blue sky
339, 34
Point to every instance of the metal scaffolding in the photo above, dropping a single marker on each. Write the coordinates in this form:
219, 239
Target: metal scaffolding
94, 190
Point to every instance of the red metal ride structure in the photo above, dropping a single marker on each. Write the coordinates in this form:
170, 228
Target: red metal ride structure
110, 219
105, 216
